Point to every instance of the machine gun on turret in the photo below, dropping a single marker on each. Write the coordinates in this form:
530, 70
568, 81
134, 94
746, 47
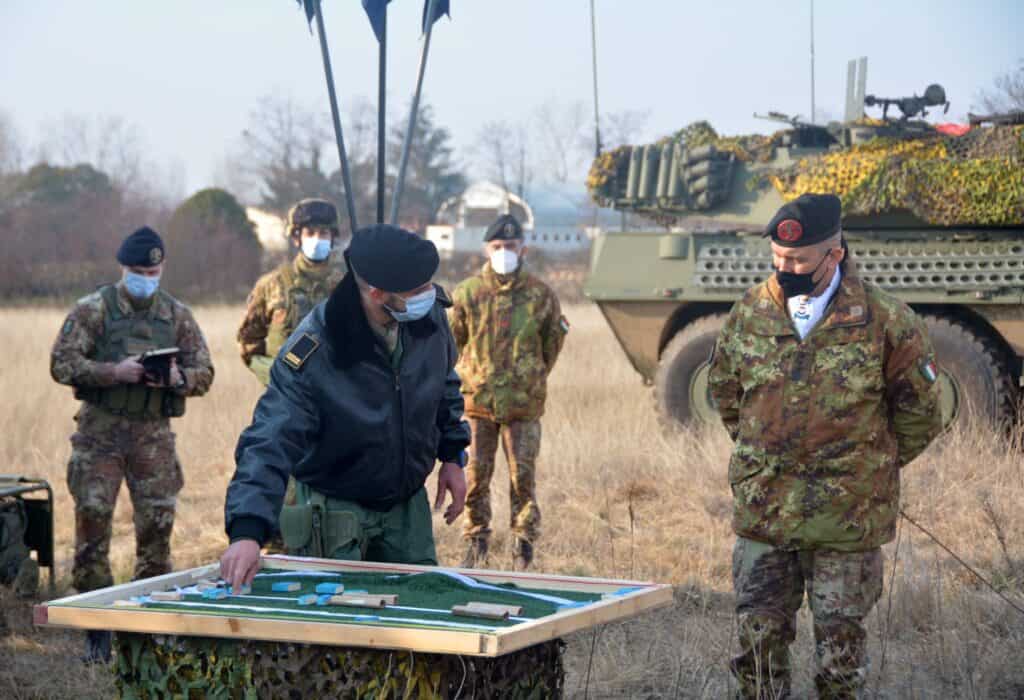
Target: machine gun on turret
803, 133
795, 122
914, 106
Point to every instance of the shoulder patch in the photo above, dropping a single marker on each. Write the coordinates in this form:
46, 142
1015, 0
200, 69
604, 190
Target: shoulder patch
68, 326
563, 323
442, 296
929, 370
300, 351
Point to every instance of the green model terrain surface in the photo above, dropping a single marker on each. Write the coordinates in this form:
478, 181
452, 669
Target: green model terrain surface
433, 594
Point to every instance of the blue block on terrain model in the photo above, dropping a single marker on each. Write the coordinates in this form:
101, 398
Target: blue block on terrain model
330, 588
308, 599
215, 594
286, 587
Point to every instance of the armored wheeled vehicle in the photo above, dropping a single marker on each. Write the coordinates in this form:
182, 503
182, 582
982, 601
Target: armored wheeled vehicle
932, 213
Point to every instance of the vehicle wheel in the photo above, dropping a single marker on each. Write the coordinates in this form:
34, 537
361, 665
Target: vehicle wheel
976, 382
681, 382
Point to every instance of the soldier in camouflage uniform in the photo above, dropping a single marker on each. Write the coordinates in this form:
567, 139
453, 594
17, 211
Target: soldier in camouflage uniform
123, 428
283, 297
828, 387
509, 329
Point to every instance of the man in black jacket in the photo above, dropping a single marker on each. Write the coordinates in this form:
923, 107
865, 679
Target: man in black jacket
363, 399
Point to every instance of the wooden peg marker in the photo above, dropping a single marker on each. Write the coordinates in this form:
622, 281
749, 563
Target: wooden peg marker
487, 613
166, 596
363, 601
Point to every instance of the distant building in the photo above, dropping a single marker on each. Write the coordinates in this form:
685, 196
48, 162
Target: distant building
269, 229
463, 219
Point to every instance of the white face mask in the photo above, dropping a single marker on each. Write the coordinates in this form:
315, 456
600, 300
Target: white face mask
504, 261
316, 249
141, 286
416, 307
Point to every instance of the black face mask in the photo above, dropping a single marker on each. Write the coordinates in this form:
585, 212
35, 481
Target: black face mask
794, 284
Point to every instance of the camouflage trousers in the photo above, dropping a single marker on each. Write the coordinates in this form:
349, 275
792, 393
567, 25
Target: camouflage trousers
841, 588
106, 450
521, 444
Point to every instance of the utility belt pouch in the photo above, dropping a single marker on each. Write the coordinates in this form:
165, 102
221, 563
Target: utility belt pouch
296, 523
173, 404
310, 528
333, 530
341, 531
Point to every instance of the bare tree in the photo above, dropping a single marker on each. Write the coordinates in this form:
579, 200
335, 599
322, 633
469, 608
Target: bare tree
502, 152
564, 145
108, 143
621, 128
287, 152
281, 133
1007, 95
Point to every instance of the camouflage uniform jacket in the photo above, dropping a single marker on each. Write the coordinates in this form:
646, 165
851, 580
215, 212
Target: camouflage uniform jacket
278, 303
509, 330
822, 426
73, 362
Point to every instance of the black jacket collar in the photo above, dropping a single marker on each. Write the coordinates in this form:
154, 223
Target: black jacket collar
348, 332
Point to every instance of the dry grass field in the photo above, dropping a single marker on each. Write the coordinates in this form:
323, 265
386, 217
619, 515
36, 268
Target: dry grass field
618, 497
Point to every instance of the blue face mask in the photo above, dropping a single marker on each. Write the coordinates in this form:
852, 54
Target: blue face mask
141, 286
316, 249
416, 307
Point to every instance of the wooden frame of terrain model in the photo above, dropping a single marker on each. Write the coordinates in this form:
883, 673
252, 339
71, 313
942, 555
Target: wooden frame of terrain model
617, 600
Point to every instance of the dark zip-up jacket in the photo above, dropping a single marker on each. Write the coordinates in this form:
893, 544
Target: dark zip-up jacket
342, 420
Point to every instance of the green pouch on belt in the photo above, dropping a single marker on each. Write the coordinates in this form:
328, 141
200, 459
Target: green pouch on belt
297, 527
310, 528
341, 533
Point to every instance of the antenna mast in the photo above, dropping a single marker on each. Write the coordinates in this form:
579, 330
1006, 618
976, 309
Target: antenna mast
593, 51
813, 120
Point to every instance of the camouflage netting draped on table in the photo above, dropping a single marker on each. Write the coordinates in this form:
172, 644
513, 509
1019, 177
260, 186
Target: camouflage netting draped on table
975, 179
150, 667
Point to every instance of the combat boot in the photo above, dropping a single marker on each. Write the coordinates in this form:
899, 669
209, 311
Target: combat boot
476, 553
522, 555
97, 647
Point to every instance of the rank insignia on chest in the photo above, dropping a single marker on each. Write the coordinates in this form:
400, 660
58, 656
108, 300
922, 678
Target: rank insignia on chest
929, 370
563, 323
300, 351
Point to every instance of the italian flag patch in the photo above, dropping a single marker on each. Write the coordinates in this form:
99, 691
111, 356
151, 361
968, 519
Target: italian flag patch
563, 323
929, 370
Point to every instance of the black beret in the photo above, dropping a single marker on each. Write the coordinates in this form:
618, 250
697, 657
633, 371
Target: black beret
808, 219
144, 248
391, 258
506, 228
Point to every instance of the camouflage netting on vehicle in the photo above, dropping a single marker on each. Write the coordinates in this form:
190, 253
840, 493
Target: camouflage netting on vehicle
748, 148
606, 180
975, 179
604, 173
151, 667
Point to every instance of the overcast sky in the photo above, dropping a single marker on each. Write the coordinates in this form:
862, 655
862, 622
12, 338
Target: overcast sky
188, 72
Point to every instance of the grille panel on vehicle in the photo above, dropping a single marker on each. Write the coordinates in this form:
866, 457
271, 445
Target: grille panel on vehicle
986, 266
